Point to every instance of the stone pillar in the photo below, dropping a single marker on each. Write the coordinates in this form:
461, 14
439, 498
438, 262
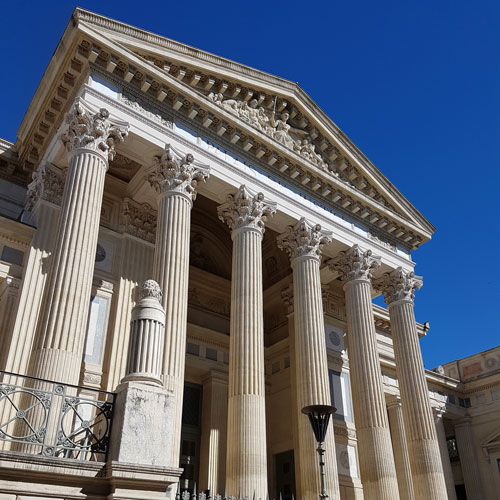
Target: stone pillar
144, 409
43, 200
445, 456
469, 460
214, 432
304, 243
400, 449
62, 324
425, 458
246, 464
174, 178
376, 461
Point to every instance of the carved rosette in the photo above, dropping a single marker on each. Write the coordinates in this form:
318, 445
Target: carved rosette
304, 240
47, 184
177, 173
398, 285
246, 210
139, 220
91, 129
150, 289
354, 264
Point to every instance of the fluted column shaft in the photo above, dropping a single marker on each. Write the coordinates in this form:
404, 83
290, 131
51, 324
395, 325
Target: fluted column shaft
246, 465
445, 456
378, 473
62, 325
311, 372
400, 448
246, 453
174, 178
425, 457
469, 461
214, 432
145, 358
304, 243
171, 271
376, 461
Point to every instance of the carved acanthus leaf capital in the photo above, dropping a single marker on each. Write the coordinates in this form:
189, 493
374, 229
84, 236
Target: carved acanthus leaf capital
355, 264
244, 209
177, 173
92, 129
304, 240
139, 220
47, 184
150, 289
398, 285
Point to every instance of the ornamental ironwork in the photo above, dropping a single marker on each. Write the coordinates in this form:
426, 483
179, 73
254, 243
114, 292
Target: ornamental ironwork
51, 419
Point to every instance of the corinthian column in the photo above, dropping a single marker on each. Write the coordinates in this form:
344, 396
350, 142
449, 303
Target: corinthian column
246, 469
175, 178
425, 458
376, 461
400, 448
304, 243
62, 324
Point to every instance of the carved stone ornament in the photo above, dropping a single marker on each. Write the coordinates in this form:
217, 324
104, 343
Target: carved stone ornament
354, 264
244, 209
139, 220
178, 173
304, 240
150, 289
47, 184
276, 127
398, 285
91, 129
146, 109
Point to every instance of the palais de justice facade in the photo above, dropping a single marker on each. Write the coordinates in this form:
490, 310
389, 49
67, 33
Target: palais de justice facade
189, 253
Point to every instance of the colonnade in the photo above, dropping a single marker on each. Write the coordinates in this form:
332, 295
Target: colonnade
60, 334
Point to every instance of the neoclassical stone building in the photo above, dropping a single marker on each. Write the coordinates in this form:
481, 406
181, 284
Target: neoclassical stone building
189, 249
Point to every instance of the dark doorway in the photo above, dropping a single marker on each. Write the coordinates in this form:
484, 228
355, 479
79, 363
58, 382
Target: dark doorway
460, 489
285, 475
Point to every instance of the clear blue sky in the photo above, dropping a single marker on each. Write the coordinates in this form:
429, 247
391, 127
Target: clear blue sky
415, 84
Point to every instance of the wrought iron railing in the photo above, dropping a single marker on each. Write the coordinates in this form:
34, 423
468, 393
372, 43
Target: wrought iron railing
53, 419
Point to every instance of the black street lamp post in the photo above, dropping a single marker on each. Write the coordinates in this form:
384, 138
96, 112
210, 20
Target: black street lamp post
319, 416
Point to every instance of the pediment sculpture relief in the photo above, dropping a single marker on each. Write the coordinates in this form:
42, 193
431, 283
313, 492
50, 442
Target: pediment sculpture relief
272, 125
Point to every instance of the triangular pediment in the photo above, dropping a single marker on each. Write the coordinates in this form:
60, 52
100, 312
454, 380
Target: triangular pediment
269, 119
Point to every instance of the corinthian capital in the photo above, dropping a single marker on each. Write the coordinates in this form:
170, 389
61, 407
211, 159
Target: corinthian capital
177, 173
47, 184
398, 285
244, 209
354, 264
91, 129
304, 240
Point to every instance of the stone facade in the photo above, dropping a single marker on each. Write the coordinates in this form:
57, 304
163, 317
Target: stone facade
267, 234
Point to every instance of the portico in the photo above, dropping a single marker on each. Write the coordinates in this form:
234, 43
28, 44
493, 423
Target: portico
261, 224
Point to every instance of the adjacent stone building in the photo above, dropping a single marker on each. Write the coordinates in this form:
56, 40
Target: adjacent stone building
189, 250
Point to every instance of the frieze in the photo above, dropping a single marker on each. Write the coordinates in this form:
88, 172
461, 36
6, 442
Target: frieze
201, 300
47, 185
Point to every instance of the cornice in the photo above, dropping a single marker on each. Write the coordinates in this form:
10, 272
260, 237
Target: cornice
228, 69
158, 85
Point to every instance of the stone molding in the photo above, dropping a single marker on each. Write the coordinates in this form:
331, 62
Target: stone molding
177, 173
398, 285
355, 264
246, 210
92, 130
304, 240
139, 220
47, 184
